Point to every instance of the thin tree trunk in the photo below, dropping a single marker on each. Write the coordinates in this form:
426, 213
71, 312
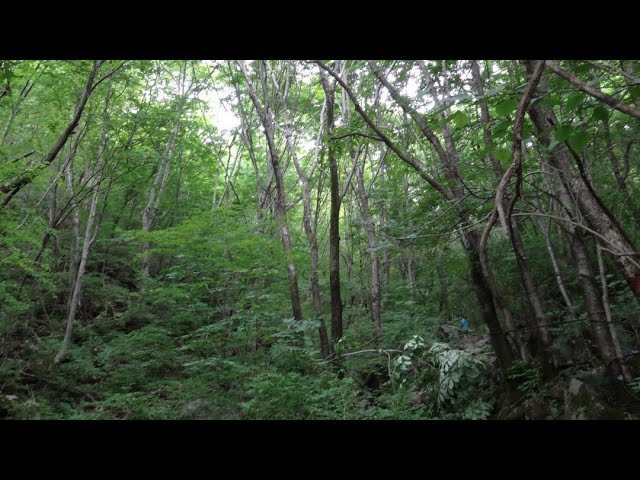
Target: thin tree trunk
519, 334
75, 222
544, 229
281, 212
607, 311
15, 108
89, 236
334, 217
310, 231
593, 91
504, 208
486, 120
14, 186
154, 194
369, 228
470, 238
586, 278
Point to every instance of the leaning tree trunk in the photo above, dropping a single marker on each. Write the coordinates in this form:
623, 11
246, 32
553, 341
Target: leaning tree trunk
16, 184
89, 235
540, 335
607, 312
598, 216
518, 333
150, 211
586, 277
281, 211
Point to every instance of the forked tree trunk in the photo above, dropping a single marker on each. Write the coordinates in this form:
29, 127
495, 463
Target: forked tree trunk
281, 212
89, 235
309, 228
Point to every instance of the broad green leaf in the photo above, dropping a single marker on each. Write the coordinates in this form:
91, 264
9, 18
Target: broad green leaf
635, 91
504, 155
563, 132
600, 113
459, 119
574, 100
501, 129
551, 100
506, 107
579, 140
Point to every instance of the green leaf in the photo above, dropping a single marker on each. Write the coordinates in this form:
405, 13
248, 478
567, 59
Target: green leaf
601, 114
579, 140
581, 68
563, 132
505, 107
504, 155
635, 91
551, 100
574, 100
501, 129
459, 119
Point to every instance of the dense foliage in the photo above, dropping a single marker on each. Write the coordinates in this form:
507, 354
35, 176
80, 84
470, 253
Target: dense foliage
300, 239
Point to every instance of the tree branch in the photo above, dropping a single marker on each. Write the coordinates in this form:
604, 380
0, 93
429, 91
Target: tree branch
417, 165
593, 91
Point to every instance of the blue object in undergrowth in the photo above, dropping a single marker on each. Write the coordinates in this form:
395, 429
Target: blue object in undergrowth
464, 323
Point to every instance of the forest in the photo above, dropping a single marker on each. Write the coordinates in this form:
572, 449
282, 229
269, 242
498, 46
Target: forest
319, 239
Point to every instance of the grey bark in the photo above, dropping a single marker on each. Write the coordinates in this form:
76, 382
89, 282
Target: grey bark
369, 228
598, 216
154, 194
586, 277
281, 213
607, 312
309, 228
89, 235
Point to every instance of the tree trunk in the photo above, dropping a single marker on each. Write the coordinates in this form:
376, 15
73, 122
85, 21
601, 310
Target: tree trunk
334, 218
470, 239
309, 229
13, 187
607, 312
154, 195
586, 278
369, 228
281, 211
600, 219
486, 301
519, 334
89, 235
544, 229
